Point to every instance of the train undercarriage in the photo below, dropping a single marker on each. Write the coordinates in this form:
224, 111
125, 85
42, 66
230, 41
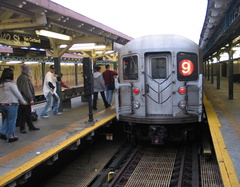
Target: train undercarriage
159, 134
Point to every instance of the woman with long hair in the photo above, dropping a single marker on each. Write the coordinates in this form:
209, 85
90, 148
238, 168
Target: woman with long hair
9, 100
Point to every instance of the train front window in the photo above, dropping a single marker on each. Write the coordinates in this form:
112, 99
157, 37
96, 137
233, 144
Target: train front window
159, 70
130, 68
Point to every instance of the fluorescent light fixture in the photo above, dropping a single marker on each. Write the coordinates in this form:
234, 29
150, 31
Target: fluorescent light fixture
98, 52
53, 35
108, 52
84, 46
224, 57
67, 63
236, 48
79, 45
87, 47
13, 62
49, 63
31, 62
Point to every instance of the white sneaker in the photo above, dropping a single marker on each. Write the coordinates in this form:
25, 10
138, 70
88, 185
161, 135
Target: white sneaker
59, 113
45, 116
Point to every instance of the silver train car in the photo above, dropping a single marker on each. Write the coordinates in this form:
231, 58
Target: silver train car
159, 87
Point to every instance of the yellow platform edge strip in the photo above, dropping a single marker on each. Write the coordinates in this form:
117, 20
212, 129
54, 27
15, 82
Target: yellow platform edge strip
226, 167
12, 175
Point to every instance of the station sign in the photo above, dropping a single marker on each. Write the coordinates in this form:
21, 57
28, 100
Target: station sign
23, 41
28, 53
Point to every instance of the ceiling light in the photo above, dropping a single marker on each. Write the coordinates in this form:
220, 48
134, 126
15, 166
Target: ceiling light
13, 62
53, 35
31, 62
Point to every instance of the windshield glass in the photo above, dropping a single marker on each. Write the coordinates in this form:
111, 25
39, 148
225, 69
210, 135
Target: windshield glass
130, 68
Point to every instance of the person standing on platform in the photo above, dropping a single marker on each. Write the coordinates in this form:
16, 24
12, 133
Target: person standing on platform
26, 88
99, 86
49, 91
108, 78
62, 83
9, 100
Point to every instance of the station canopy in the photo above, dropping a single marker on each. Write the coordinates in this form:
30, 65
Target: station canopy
43, 24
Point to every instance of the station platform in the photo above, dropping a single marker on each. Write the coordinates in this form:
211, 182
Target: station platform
225, 128
56, 133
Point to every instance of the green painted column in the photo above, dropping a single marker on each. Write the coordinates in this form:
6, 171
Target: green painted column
212, 77
59, 88
230, 74
218, 71
76, 74
209, 67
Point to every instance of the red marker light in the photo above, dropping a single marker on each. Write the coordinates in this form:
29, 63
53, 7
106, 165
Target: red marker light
182, 90
136, 91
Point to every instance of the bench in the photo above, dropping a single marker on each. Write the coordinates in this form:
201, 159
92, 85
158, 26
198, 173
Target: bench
70, 93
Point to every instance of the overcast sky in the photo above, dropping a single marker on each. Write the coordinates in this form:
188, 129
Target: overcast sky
136, 18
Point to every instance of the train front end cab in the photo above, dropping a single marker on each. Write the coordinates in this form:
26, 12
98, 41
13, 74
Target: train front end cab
167, 91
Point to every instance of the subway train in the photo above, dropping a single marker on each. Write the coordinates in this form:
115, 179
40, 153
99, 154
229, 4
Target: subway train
159, 88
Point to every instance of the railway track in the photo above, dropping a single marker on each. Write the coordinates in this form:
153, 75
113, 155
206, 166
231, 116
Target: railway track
169, 165
112, 164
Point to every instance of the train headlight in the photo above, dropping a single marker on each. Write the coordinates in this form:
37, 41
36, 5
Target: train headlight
135, 104
136, 91
182, 104
182, 90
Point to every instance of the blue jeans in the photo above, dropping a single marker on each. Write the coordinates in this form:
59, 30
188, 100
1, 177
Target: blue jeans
51, 102
109, 95
9, 115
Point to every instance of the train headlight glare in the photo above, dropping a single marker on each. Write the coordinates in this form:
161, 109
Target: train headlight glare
136, 91
182, 104
135, 104
182, 90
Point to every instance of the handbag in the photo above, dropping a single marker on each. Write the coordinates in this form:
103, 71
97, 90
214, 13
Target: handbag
112, 83
34, 115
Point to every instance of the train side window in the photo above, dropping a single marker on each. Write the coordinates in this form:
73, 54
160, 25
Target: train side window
187, 64
159, 70
130, 68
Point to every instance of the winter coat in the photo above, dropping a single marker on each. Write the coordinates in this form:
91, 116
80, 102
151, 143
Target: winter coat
25, 87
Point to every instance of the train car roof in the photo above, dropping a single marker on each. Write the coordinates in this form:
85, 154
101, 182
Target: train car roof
161, 42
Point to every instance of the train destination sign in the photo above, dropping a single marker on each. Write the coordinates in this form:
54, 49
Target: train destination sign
23, 41
187, 66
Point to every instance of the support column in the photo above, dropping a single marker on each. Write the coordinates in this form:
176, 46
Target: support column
218, 71
230, 74
209, 67
212, 77
76, 74
43, 72
59, 88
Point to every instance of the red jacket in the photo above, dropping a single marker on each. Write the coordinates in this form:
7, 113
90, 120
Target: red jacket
108, 76
64, 85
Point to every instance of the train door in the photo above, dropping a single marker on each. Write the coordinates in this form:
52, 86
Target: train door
158, 80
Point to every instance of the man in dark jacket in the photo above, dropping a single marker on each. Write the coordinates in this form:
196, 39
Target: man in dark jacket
108, 78
26, 88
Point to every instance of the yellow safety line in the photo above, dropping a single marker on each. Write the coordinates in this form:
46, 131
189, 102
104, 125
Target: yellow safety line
227, 170
10, 176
